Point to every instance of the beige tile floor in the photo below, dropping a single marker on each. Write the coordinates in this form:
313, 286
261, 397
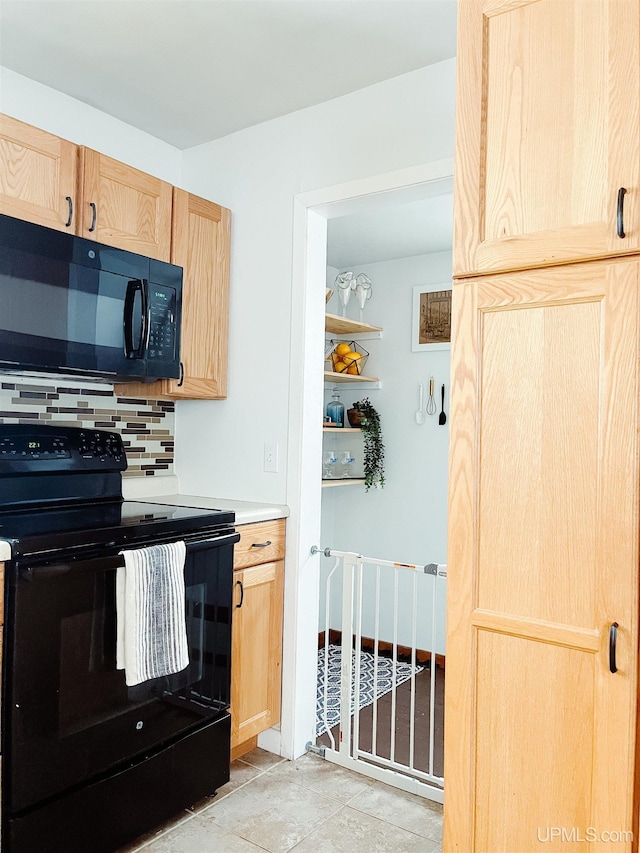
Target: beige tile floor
308, 806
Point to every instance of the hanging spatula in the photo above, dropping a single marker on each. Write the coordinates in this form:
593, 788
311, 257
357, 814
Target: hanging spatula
443, 418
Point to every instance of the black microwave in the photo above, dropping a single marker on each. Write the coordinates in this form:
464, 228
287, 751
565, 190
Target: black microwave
69, 305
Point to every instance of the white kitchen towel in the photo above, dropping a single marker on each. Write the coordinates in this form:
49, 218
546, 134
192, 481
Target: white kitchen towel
151, 636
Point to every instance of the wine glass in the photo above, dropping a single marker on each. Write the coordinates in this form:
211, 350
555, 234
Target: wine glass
346, 463
362, 287
329, 460
344, 283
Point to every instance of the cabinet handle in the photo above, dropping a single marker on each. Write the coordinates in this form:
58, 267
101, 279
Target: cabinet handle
239, 583
70, 203
181, 380
261, 544
613, 639
94, 215
620, 223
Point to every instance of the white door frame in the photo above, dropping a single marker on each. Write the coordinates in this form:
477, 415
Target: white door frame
304, 490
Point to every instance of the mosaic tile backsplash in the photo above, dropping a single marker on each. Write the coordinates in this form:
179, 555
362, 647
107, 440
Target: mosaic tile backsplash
146, 425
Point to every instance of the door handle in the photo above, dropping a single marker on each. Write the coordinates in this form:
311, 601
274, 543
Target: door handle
130, 349
94, 215
69, 201
620, 216
239, 583
613, 640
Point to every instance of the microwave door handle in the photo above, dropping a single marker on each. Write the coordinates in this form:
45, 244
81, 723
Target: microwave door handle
135, 287
145, 324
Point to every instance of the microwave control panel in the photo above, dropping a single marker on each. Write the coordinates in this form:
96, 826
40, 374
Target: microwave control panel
162, 326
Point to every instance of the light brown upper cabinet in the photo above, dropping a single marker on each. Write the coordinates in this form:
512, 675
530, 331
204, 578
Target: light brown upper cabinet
201, 241
124, 207
38, 176
201, 245
547, 132
542, 616
49, 181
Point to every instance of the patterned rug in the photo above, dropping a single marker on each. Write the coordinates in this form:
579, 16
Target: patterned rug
385, 683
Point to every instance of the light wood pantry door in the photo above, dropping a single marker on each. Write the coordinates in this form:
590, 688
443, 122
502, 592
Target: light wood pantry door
124, 207
38, 176
543, 560
547, 132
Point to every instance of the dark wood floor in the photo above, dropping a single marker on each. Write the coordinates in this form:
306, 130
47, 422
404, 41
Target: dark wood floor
402, 723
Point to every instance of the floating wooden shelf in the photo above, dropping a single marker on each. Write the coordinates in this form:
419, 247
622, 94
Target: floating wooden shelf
341, 429
348, 481
343, 326
343, 378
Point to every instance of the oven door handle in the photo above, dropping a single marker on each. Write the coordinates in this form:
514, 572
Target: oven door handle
32, 573
214, 542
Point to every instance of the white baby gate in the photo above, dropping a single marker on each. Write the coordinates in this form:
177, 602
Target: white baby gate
379, 582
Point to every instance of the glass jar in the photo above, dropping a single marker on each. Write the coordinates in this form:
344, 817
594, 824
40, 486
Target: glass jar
335, 410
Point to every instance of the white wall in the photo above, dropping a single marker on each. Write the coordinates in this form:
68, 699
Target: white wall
50, 110
402, 122
406, 521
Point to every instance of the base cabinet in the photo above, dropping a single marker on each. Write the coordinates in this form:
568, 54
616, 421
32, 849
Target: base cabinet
256, 657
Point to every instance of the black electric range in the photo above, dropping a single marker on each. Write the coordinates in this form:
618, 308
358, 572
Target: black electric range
79, 746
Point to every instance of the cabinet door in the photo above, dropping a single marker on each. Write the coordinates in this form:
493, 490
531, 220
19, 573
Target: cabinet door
543, 558
256, 657
200, 245
547, 132
38, 176
201, 237
124, 207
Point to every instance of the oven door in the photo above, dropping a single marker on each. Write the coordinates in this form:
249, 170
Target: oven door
69, 716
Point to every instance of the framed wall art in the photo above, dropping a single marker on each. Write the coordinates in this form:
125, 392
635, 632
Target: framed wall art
431, 327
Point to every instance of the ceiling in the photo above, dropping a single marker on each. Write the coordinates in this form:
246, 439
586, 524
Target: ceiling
189, 71
385, 233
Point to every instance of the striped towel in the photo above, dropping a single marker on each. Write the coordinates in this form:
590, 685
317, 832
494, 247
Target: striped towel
150, 608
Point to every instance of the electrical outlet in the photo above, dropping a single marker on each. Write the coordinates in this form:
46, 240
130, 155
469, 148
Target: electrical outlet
271, 457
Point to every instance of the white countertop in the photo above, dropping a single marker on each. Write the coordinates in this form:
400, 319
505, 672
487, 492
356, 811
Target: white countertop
5, 551
247, 512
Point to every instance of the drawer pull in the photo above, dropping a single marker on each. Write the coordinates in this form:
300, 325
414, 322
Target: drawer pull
261, 544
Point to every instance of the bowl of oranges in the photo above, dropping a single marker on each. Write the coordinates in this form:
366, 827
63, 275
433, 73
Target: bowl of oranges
347, 357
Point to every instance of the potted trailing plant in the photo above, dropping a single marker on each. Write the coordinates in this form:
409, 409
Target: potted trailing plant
365, 416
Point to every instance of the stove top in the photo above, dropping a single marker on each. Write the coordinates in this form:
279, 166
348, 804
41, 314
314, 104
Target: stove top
124, 524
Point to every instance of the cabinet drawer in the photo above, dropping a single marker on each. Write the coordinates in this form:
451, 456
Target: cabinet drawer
259, 543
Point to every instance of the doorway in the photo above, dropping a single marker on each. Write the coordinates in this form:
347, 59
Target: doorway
359, 526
